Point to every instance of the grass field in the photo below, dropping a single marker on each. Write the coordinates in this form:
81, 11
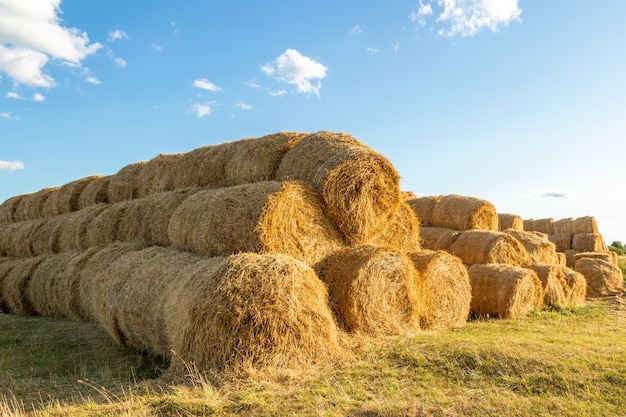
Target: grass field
568, 363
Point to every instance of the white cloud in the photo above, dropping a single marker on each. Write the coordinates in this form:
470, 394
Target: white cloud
7, 115
117, 34
419, 17
93, 80
296, 69
201, 110
557, 193
14, 95
372, 50
356, 30
11, 166
38, 97
277, 93
243, 106
205, 84
395, 46
31, 34
120, 62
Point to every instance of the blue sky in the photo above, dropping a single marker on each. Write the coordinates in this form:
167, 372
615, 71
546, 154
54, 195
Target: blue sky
522, 103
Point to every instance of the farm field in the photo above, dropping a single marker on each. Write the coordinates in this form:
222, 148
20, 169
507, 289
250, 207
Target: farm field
569, 362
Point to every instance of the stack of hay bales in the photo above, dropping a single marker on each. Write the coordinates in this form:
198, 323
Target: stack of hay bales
259, 252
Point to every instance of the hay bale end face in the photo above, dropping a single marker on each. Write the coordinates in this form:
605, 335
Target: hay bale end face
603, 278
588, 242
510, 221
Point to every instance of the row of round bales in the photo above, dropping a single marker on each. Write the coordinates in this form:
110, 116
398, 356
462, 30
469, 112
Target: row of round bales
281, 251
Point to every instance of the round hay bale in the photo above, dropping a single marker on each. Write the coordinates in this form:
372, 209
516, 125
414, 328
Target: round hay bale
501, 290
6, 264
7, 209
555, 291
15, 238
44, 239
607, 256
253, 312
539, 225
540, 249
132, 216
588, 242
159, 174
360, 187
104, 228
586, 224
212, 167
158, 211
95, 192
438, 238
510, 221
267, 217
372, 290
31, 206
189, 167
123, 186
562, 241
402, 231
13, 290
45, 290
603, 278
423, 208
69, 194
443, 289
484, 246
464, 213
576, 286
72, 233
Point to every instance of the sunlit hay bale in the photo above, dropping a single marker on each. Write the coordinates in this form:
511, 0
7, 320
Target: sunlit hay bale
8, 208
188, 173
13, 290
407, 196
562, 241
130, 226
539, 225
16, 238
540, 249
123, 186
212, 168
569, 257
402, 231
95, 192
257, 159
485, 246
158, 174
562, 258
603, 278
266, 217
585, 224
423, 208
6, 264
563, 226
503, 290
158, 210
45, 239
104, 228
139, 309
464, 213
94, 275
576, 286
553, 284
360, 187
253, 312
510, 221
73, 229
443, 287
372, 290
438, 238
65, 199
46, 290
607, 256
588, 242
31, 206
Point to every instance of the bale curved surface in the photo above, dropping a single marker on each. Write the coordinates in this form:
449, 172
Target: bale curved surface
13, 287
464, 213
438, 238
483, 246
95, 192
159, 174
124, 185
576, 285
540, 249
510, 221
31, 206
423, 208
7, 209
603, 278
402, 231
555, 291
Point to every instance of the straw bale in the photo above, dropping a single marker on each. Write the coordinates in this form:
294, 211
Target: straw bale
13, 287
95, 192
485, 246
6, 264
588, 242
438, 238
603, 278
503, 290
510, 221
562, 258
189, 167
360, 187
464, 213
31, 206
562, 241
7, 209
408, 195
46, 290
212, 167
576, 286
607, 256
402, 231
569, 257
45, 239
372, 290
158, 210
267, 217
539, 225
443, 287
540, 249
586, 224
104, 228
423, 208
133, 214
124, 185
74, 227
555, 291
65, 199
253, 312
159, 174
563, 226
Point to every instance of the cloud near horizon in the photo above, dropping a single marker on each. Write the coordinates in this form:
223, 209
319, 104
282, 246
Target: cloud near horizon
11, 166
298, 70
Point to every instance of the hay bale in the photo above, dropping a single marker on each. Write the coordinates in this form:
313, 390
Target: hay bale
576, 286
159, 174
607, 256
13, 287
540, 249
443, 288
158, 210
252, 312
65, 199
6, 264
124, 185
372, 290
408, 196
95, 192
485, 246
360, 187
104, 228
588, 242
539, 225
74, 226
15, 238
7, 209
464, 213
562, 258
586, 224
555, 291
31, 206
266, 217
510, 221
603, 278
569, 257
503, 290
423, 208
45, 290
402, 231
563, 226
562, 241
438, 238
45, 239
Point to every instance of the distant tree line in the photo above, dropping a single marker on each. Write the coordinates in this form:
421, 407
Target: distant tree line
617, 247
